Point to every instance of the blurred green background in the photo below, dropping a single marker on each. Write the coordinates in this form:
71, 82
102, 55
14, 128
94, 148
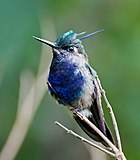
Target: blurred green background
114, 54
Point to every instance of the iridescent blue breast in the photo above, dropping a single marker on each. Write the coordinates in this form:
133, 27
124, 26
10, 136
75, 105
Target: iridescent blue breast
67, 82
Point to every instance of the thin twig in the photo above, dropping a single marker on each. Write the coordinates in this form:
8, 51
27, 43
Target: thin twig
84, 140
110, 144
119, 155
112, 115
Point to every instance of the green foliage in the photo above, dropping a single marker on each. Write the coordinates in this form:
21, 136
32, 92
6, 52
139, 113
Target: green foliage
115, 54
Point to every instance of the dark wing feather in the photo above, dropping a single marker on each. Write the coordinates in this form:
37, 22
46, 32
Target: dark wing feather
96, 108
98, 115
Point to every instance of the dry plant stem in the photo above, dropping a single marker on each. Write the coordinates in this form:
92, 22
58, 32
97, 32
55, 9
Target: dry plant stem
84, 140
112, 115
110, 144
119, 155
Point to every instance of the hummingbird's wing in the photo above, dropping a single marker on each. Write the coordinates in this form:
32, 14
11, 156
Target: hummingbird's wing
96, 108
95, 115
97, 112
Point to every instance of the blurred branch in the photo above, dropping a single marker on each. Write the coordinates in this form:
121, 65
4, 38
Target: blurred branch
25, 114
28, 103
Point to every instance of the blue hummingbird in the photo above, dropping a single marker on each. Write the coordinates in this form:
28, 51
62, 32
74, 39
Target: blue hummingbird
72, 82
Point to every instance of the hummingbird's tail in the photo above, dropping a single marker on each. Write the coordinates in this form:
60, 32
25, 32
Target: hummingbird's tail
91, 133
94, 114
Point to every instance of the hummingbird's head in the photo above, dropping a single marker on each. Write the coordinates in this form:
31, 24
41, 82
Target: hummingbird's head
68, 43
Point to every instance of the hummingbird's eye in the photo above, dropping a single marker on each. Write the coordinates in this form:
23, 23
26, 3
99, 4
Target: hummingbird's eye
70, 49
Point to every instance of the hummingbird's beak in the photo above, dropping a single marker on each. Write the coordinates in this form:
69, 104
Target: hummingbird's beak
51, 44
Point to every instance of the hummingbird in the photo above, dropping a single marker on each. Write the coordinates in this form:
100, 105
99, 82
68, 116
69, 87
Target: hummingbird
72, 82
